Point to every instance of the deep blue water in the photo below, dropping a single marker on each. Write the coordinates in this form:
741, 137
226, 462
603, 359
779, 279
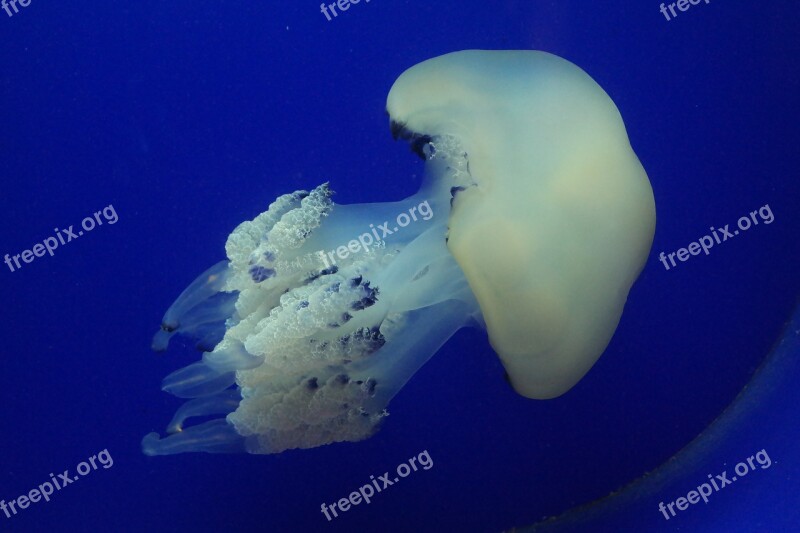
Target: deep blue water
189, 117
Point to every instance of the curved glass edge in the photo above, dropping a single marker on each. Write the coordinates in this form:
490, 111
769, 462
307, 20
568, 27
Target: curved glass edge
764, 416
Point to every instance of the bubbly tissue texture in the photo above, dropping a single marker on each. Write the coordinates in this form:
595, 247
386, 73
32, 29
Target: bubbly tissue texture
561, 218
303, 348
533, 221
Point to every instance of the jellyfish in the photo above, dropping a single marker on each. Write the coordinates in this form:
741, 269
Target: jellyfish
533, 221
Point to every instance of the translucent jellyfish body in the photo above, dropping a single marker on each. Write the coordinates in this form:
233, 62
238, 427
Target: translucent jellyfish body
534, 220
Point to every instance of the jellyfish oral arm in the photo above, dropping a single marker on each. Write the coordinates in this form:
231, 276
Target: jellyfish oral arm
312, 356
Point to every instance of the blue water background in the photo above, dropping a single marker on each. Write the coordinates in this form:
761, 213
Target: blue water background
189, 117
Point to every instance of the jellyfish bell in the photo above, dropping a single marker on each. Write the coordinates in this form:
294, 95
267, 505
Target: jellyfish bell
540, 219
561, 218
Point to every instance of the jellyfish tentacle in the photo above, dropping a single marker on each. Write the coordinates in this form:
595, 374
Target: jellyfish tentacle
200, 310
419, 336
214, 436
221, 403
229, 356
197, 379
